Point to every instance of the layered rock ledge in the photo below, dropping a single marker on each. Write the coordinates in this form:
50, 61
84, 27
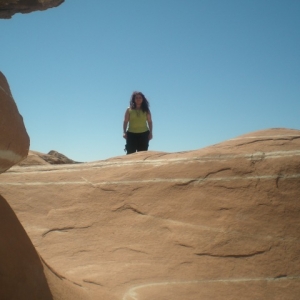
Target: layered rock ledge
216, 223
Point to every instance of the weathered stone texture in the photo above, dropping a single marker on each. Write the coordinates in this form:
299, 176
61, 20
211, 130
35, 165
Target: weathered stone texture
22, 275
216, 223
10, 7
14, 140
52, 158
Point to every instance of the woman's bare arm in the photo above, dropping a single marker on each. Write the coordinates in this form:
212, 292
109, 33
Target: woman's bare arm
150, 125
125, 123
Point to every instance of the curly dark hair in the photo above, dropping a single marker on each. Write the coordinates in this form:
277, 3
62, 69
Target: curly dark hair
145, 104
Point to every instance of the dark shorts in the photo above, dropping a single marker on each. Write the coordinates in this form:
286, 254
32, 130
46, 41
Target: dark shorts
137, 142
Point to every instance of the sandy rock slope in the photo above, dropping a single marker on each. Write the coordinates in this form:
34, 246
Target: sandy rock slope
216, 223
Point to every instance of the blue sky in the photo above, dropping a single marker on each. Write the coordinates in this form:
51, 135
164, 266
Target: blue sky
211, 70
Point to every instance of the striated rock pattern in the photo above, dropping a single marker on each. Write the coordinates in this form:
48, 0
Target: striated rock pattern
52, 158
216, 223
19, 261
14, 140
10, 7
23, 274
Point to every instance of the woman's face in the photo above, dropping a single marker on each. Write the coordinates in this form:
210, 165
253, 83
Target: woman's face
138, 99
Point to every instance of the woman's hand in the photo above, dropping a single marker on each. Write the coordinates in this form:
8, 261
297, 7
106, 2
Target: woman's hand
150, 136
125, 135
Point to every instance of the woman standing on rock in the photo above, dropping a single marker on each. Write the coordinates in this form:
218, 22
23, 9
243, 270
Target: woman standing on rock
139, 131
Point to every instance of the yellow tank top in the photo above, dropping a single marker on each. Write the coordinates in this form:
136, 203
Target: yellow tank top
137, 121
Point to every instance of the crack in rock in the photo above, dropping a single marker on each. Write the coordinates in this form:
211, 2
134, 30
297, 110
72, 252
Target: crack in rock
216, 172
64, 229
280, 276
184, 245
52, 270
130, 249
126, 207
232, 255
92, 282
188, 182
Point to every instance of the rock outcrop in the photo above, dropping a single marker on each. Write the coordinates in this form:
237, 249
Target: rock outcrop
10, 7
52, 158
23, 274
216, 223
19, 261
14, 140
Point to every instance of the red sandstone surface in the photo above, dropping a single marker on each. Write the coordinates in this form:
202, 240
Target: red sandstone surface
14, 140
216, 223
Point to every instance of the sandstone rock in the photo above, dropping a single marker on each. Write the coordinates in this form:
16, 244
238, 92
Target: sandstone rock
23, 275
10, 7
34, 158
52, 158
216, 223
14, 140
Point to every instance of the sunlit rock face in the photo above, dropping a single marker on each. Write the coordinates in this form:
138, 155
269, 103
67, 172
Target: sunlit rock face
24, 275
215, 223
52, 158
14, 140
10, 7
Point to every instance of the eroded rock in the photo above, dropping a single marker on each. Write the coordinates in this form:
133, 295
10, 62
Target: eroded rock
22, 275
52, 158
216, 223
14, 140
10, 7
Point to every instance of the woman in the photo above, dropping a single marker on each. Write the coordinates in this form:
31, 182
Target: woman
139, 131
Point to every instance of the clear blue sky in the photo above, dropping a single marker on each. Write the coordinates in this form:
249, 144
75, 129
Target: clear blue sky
211, 70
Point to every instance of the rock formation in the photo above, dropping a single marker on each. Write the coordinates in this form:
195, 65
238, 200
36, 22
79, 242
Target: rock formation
14, 140
19, 261
216, 223
10, 7
23, 274
52, 158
